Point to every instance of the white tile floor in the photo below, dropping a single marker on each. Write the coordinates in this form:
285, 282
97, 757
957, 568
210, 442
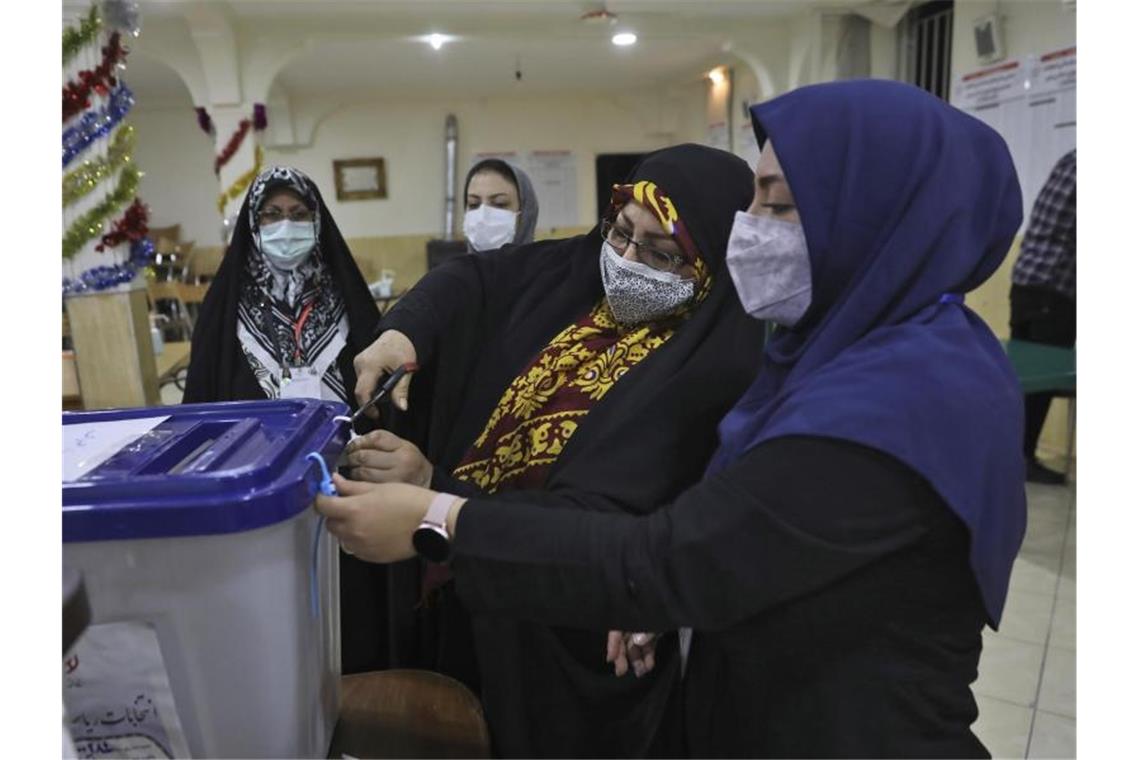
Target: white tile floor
1026, 687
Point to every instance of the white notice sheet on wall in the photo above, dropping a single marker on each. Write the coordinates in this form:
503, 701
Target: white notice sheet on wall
86, 445
554, 174
1052, 106
118, 697
1031, 103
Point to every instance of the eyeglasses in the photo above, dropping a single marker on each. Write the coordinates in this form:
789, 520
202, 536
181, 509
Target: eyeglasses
663, 261
272, 214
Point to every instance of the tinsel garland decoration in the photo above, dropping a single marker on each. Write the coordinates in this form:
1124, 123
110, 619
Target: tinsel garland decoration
132, 225
260, 121
122, 14
103, 277
242, 182
75, 40
96, 124
234, 143
90, 225
81, 181
205, 123
100, 278
100, 80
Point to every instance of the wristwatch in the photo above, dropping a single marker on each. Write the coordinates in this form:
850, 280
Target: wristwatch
431, 539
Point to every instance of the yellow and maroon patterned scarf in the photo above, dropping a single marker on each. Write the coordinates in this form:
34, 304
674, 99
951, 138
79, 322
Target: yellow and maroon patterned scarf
544, 406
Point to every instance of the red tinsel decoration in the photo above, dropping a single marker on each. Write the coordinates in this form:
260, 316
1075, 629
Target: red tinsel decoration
77, 95
132, 226
259, 123
231, 147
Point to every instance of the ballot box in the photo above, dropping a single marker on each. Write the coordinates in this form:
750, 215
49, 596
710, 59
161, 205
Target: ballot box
212, 584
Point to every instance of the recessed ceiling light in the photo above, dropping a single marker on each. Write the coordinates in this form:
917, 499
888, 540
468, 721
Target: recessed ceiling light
624, 38
716, 76
436, 40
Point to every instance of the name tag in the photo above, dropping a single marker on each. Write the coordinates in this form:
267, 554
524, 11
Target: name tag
304, 382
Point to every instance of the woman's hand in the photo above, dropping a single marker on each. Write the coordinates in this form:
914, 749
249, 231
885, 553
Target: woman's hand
383, 457
375, 521
391, 350
631, 649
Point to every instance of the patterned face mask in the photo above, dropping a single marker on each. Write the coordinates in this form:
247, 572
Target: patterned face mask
637, 293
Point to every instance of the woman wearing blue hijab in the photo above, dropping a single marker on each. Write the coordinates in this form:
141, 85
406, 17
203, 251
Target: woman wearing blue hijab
857, 527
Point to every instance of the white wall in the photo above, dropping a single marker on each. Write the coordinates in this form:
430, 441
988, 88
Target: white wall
177, 160
180, 185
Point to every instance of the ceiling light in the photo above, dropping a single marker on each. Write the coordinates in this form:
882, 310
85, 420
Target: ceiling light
716, 76
437, 41
624, 38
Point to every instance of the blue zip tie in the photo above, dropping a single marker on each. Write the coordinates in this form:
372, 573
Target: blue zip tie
328, 489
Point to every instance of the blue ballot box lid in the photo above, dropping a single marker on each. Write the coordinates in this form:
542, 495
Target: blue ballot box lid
198, 469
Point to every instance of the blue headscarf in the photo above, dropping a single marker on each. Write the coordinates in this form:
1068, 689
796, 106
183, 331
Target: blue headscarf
906, 204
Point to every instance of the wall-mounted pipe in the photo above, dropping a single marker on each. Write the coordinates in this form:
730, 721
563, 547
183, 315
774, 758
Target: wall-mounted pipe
451, 156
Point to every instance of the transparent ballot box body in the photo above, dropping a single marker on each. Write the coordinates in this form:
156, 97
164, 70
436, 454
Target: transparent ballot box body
214, 591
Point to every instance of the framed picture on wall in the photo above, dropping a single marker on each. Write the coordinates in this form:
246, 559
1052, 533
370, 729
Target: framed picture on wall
360, 179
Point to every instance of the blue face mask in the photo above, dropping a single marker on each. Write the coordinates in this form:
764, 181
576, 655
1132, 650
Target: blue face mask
287, 244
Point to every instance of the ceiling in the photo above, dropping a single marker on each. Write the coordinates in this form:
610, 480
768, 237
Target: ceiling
372, 45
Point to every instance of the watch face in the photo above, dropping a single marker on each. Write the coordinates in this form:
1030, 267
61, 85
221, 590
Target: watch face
431, 543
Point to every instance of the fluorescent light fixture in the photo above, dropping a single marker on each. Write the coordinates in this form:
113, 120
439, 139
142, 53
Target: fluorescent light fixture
437, 40
624, 39
716, 76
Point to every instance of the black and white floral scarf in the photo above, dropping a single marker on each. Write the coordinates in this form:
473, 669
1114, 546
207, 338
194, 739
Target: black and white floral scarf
272, 303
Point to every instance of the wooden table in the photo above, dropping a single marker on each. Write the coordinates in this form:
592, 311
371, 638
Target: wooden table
174, 357
1041, 368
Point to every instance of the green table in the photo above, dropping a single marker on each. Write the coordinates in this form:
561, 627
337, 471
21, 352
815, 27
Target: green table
1042, 368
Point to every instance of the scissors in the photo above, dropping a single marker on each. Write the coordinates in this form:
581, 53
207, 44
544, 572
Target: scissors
385, 389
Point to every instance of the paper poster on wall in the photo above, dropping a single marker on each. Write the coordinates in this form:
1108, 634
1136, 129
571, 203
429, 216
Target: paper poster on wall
554, 174
1052, 104
1032, 104
118, 697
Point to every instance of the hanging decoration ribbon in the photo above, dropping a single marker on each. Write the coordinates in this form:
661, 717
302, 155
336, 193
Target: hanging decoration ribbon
104, 277
90, 225
75, 40
77, 95
232, 146
258, 123
132, 225
242, 182
96, 124
81, 181
205, 123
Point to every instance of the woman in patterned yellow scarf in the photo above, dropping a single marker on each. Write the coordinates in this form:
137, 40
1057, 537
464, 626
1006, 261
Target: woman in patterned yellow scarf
591, 370
544, 405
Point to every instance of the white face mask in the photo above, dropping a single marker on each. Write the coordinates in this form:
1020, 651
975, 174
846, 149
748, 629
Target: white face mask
639, 293
487, 228
769, 263
287, 244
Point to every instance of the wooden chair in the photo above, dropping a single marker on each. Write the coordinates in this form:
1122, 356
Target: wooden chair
408, 713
